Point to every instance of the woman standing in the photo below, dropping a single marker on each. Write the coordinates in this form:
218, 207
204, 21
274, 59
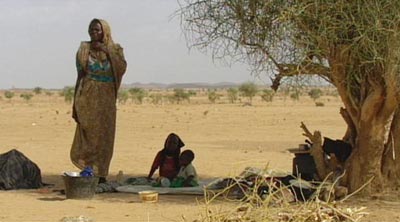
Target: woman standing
100, 64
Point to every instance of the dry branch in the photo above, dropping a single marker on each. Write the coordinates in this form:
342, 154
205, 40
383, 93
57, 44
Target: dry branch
287, 70
316, 150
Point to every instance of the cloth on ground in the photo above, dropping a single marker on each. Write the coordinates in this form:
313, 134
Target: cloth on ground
199, 190
18, 172
111, 186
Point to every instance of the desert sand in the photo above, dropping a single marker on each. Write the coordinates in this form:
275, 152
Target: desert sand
225, 137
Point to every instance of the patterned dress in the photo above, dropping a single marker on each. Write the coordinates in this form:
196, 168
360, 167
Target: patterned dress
95, 106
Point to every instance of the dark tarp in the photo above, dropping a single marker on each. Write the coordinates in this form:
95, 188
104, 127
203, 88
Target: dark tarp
18, 172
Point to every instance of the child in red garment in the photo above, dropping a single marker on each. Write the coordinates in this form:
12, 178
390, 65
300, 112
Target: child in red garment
167, 159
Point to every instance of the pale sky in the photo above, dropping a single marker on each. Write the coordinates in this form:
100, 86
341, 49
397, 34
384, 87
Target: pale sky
39, 39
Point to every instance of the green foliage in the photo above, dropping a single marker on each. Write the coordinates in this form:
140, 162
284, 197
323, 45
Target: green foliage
37, 90
232, 94
9, 94
156, 98
192, 93
26, 96
137, 94
68, 93
315, 94
267, 95
123, 96
249, 90
180, 95
213, 96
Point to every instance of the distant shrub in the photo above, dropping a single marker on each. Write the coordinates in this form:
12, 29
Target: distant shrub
180, 95
9, 94
137, 94
68, 93
319, 104
123, 96
192, 93
232, 94
37, 90
156, 98
315, 93
26, 96
248, 90
213, 96
170, 98
267, 95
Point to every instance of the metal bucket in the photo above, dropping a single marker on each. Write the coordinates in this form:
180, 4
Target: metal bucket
80, 187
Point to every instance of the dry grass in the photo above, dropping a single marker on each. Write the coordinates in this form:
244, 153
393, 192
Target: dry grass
278, 205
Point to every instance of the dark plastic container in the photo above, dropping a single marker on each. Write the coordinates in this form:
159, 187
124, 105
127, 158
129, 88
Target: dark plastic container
304, 166
80, 187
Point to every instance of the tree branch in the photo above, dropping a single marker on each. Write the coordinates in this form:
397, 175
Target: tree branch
286, 70
338, 60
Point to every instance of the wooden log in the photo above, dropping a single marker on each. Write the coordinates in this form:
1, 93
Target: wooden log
316, 151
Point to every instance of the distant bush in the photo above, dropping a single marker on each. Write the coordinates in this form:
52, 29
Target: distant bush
26, 96
49, 93
315, 93
267, 95
192, 93
319, 104
232, 94
156, 98
9, 94
37, 90
213, 96
180, 95
248, 90
137, 94
170, 98
68, 93
123, 96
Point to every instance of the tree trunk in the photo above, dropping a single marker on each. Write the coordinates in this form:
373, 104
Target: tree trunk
364, 165
391, 155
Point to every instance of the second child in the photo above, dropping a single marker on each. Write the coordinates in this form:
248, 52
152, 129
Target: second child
187, 176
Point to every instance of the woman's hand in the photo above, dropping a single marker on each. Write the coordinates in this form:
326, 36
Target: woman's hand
96, 45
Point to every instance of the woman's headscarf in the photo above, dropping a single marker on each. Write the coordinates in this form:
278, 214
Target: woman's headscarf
177, 152
107, 39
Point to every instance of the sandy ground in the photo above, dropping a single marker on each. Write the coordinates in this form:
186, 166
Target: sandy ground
225, 137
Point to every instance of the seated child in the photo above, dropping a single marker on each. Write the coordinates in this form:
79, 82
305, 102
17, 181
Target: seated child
187, 176
167, 159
